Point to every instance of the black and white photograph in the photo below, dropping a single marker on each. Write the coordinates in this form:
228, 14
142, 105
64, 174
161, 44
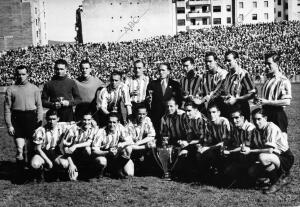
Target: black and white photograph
150, 103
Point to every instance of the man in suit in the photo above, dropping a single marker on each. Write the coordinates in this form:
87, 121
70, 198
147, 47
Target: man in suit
161, 90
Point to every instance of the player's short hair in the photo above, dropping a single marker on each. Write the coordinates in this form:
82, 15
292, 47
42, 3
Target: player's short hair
21, 67
138, 61
166, 64
233, 53
275, 56
51, 112
190, 102
172, 99
213, 54
84, 61
190, 59
116, 72
141, 106
213, 105
237, 108
114, 114
61, 62
259, 110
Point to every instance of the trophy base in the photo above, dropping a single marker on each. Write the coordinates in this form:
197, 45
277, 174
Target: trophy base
167, 176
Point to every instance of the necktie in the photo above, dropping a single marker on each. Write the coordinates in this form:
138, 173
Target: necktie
163, 86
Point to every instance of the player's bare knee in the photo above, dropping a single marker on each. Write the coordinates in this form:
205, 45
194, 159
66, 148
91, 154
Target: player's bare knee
129, 168
36, 163
102, 161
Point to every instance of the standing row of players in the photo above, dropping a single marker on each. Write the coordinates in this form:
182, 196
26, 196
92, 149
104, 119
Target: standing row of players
227, 89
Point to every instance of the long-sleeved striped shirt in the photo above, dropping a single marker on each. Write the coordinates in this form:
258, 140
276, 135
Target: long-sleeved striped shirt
217, 132
211, 82
109, 98
197, 128
49, 138
139, 84
238, 83
139, 131
191, 84
240, 136
277, 88
174, 126
107, 139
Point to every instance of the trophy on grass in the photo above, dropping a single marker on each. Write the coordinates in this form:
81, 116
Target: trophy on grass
166, 157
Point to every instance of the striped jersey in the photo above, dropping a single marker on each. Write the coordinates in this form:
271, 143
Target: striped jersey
197, 128
240, 135
110, 98
190, 84
139, 84
211, 82
277, 88
139, 131
77, 135
238, 83
269, 136
107, 139
50, 138
217, 132
174, 126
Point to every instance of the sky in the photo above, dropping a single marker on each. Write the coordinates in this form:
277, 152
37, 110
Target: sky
60, 17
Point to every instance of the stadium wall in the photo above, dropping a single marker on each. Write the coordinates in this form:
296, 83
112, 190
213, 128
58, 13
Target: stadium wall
124, 20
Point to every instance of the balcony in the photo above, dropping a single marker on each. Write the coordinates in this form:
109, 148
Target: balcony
198, 2
198, 14
180, 3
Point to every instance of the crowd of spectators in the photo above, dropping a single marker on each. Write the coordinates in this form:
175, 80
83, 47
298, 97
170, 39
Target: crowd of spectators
250, 41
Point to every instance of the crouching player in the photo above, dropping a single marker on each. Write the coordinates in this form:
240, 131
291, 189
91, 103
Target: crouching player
111, 149
236, 164
209, 156
143, 135
77, 146
47, 140
195, 124
275, 158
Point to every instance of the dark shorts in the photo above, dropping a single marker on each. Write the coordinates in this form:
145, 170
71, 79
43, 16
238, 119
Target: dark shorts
286, 161
278, 116
52, 154
24, 122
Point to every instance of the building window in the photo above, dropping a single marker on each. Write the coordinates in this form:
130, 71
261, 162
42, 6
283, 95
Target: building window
205, 9
241, 5
204, 21
181, 22
279, 14
254, 4
180, 10
193, 9
228, 20
35, 10
228, 8
254, 16
37, 34
217, 21
266, 15
266, 3
241, 18
36, 22
279, 2
193, 21
216, 8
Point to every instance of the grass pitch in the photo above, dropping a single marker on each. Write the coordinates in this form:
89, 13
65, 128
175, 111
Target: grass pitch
145, 191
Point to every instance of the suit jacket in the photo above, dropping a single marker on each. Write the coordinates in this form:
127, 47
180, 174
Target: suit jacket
158, 104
